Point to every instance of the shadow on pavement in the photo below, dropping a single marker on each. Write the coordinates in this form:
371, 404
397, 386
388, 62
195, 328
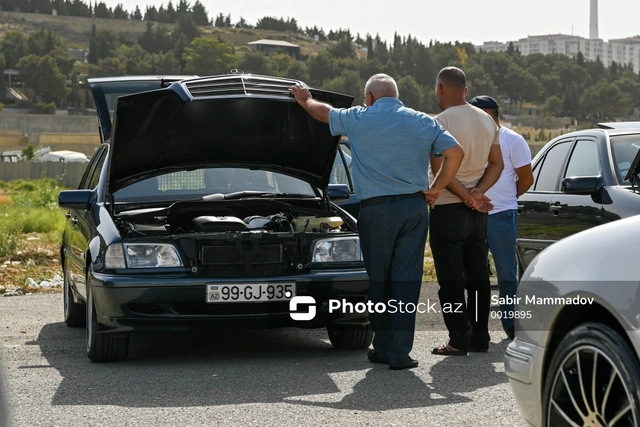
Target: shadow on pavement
253, 366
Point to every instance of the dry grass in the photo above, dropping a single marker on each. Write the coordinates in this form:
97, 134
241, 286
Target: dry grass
5, 199
37, 259
77, 30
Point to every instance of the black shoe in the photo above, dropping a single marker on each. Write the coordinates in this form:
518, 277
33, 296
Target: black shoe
374, 358
407, 364
511, 333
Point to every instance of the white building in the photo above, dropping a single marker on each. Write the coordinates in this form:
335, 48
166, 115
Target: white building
622, 51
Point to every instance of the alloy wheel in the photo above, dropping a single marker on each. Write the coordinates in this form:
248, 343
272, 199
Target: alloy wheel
589, 390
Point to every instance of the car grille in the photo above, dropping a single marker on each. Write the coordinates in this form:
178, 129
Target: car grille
239, 85
241, 261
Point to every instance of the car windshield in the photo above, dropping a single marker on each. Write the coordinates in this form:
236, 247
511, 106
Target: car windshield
624, 149
197, 183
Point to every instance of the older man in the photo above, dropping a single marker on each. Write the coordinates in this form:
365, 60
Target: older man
391, 145
458, 229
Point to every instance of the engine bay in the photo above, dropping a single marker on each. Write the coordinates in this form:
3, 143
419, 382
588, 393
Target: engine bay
239, 238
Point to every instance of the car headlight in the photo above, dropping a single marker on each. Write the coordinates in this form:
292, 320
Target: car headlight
142, 255
337, 249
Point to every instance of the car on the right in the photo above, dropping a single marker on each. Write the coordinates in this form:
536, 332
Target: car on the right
575, 357
581, 179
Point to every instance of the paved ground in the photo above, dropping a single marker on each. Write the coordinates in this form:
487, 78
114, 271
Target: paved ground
268, 378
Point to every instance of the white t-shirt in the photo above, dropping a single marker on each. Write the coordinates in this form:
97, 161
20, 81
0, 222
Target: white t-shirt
515, 154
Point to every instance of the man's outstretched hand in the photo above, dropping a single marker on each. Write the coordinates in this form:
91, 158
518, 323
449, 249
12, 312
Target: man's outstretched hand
300, 93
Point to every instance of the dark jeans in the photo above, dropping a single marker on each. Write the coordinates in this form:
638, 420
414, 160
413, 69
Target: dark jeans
458, 237
393, 237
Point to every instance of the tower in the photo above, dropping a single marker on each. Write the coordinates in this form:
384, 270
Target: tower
593, 20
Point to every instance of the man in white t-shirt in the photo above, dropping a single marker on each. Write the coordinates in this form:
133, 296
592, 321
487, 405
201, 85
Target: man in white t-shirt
516, 178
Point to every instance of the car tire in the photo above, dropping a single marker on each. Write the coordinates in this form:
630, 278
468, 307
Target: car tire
102, 347
74, 313
573, 395
350, 337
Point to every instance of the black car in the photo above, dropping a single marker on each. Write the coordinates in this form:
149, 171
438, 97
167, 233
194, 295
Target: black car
582, 179
208, 206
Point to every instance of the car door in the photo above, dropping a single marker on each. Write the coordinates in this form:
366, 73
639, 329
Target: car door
79, 226
536, 217
573, 211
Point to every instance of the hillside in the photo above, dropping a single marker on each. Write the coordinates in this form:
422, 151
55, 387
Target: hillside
76, 30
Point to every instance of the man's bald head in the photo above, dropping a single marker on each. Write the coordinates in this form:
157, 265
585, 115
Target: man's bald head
452, 77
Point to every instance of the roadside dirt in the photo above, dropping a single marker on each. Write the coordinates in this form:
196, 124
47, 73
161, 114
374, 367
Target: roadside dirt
36, 259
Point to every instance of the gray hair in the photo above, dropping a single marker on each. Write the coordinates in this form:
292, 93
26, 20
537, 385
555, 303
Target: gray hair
381, 85
452, 77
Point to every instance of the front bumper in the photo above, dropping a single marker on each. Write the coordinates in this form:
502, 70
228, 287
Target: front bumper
523, 364
143, 304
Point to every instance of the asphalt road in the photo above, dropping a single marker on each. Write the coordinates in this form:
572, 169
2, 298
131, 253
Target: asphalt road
268, 378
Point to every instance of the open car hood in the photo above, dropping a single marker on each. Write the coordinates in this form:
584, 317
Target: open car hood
231, 121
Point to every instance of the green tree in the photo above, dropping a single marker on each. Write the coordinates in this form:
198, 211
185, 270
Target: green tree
136, 60
92, 57
13, 47
199, 14
102, 11
553, 106
108, 67
410, 92
208, 56
605, 101
280, 63
350, 83
120, 13
322, 66
41, 74
165, 63
255, 62
137, 15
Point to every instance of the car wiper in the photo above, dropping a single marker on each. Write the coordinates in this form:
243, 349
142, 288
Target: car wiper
291, 195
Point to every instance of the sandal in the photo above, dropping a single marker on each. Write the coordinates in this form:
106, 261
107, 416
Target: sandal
445, 350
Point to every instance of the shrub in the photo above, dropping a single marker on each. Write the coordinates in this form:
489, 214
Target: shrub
44, 108
10, 238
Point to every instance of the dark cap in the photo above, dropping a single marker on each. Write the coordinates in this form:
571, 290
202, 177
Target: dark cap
485, 102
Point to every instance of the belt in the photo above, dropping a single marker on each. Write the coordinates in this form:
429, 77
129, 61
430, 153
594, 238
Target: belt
386, 199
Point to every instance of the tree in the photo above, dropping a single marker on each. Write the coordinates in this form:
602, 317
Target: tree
120, 13
349, 82
136, 60
186, 27
108, 67
199, 14
255, 62
151, 14
553, 106
410, 92
92, 57
322, 67
102, 11
137, 15
208, 56
280, 63
13, 47
41, 74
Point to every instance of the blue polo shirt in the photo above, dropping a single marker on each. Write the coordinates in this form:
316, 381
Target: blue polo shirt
390, 146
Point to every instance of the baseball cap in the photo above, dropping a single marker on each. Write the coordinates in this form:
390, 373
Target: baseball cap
484, 102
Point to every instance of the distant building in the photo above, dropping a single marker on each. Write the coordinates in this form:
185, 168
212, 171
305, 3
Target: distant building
621, 51
269, 47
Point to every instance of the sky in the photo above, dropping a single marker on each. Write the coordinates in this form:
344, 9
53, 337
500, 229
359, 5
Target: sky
472, 21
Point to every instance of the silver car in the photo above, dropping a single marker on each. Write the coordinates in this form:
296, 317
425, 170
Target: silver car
574, 360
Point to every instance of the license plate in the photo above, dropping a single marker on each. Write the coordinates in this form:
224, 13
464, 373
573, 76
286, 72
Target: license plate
252, 292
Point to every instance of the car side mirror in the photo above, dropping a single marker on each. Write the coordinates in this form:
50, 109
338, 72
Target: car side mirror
581, 184
74, 199
339, 192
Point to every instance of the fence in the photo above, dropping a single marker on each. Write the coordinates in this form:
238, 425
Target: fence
67, 174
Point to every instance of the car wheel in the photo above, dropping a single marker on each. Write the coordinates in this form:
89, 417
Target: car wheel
74, 313
102, 347
593, 379
350, 337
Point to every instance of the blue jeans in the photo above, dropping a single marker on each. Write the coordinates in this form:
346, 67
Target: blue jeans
393, 237
501, 237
